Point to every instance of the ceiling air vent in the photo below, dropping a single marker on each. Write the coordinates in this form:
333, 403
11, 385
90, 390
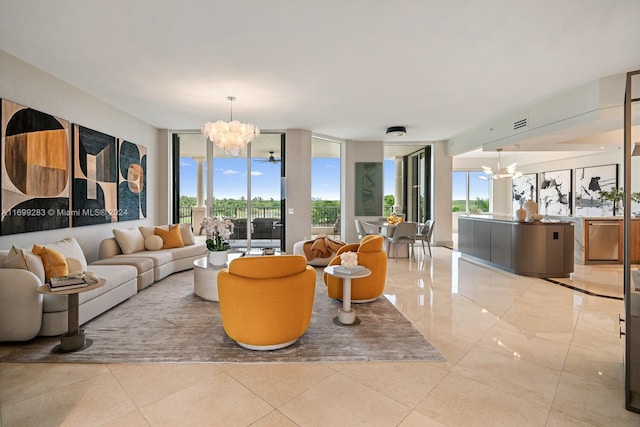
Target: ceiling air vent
519, 124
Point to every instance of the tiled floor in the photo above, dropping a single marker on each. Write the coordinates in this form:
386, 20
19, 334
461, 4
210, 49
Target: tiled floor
520, 352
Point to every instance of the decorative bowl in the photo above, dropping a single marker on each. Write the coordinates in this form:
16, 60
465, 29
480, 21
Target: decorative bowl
536, 217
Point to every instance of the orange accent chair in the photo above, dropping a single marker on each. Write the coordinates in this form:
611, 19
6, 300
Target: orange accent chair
370, 255
266, 301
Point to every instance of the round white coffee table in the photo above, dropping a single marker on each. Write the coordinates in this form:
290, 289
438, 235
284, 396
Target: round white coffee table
205, 278
347, 315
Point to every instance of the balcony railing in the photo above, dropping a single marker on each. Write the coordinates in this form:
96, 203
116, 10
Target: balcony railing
321, 216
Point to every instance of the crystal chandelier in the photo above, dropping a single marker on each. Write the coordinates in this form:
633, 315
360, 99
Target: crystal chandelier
231, 136
508, 172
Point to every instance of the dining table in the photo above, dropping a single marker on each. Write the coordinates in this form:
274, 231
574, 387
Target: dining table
386, 230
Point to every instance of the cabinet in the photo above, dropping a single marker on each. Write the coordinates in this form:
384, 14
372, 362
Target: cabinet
530, 249
587, 232
635, 241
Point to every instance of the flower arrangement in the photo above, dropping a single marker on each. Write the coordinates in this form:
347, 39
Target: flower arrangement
349, 259
218, 232
394, 219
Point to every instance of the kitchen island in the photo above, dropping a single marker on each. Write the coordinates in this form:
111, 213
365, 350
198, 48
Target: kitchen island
536, 248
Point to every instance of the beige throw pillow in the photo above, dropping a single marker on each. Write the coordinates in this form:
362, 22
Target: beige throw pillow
25, 260
70, 248
187, 234
130, 240
147, 231
153, 243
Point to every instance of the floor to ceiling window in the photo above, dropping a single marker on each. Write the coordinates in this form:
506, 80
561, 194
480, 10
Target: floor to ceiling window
470, 193
407, 178
325, 187
246, 189
419, 175
189, 160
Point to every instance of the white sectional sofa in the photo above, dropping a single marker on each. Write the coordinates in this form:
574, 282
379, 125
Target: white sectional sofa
125, 263
25, 313
131, 244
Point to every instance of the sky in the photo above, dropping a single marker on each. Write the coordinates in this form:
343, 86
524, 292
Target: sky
477, 187
230, 178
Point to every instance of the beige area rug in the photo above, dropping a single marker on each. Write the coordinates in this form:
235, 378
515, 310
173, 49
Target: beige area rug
168, 323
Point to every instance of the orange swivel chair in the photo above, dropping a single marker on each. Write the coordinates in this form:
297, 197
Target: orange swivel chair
266, 301
370, 255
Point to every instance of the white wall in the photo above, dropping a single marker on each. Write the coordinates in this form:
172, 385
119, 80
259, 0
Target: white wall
25, 85
357, 151
442, 192
298, 174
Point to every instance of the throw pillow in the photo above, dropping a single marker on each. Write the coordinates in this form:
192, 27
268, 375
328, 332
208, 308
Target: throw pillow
74, 265
70, 248
171, 238
54, 263
187, 234
153, 243
148, 231
25, 260
130, 240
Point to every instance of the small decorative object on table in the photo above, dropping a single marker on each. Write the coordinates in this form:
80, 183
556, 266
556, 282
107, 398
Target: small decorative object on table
348, 263
218, 232
521, 213
531, 207
394, 219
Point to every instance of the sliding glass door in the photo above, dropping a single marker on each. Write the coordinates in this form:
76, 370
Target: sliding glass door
245, 189
265, 192
325, 187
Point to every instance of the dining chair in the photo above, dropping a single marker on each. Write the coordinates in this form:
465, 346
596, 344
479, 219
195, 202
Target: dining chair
424, 234
404, 234
362, 230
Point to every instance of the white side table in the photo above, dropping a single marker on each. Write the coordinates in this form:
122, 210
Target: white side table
347, 315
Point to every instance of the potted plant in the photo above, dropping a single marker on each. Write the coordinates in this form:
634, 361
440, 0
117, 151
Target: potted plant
218, 232
616, 196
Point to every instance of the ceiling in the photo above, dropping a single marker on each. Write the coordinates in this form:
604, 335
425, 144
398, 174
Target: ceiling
348, 69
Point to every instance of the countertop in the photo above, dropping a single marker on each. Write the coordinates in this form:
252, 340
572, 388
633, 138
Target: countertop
509, 218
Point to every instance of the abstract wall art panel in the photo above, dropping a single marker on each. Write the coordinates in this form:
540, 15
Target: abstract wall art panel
95, 177
35, 176
589, 182
132, 181
525, 187
369, 189
555, 193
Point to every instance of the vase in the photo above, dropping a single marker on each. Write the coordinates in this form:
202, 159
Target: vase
218, 258
531, 207
521, 214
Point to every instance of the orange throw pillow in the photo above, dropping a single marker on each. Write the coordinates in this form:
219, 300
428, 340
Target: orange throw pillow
171, 238
54, 263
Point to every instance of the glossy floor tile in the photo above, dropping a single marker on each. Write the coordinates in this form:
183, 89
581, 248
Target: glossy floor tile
519, 351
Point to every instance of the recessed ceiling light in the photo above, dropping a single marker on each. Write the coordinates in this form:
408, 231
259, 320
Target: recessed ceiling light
396, 131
